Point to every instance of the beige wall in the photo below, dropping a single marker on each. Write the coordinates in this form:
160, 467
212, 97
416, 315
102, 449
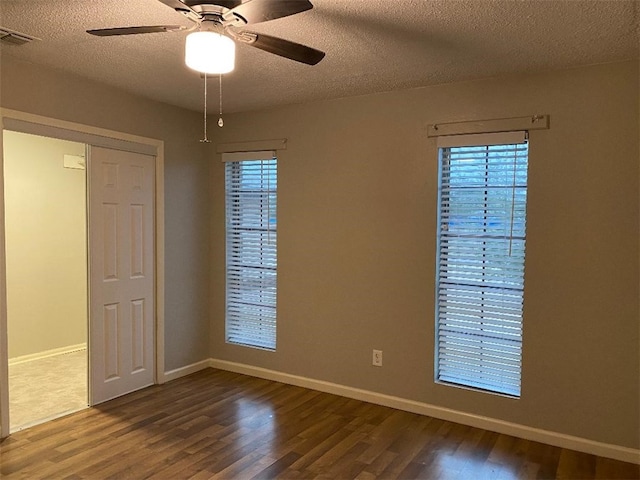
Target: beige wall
357, 199
51, 93
45, 208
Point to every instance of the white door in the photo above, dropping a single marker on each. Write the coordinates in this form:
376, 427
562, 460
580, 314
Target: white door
122, 285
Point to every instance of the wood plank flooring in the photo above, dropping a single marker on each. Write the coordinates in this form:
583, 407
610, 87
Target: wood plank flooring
217, 424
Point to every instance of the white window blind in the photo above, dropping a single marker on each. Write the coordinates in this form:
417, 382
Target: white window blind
251, 227
481, 251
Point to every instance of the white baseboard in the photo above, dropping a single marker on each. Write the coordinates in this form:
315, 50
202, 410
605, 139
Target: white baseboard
616, 452
184, 371
47, 353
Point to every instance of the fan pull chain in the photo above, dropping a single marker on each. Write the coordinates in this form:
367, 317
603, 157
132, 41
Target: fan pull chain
220, 121
205, 139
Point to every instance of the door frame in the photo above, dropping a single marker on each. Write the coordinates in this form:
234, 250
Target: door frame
88, 135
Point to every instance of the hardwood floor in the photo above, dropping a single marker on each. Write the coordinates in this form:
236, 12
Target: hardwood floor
224, 425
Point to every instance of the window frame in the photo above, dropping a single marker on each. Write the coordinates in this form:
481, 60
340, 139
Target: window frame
250, 312
474, 348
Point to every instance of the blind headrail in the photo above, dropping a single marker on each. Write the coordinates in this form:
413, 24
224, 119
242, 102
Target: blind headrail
252, 146
532, 122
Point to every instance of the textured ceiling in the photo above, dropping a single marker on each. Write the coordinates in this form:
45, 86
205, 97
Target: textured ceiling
371, 45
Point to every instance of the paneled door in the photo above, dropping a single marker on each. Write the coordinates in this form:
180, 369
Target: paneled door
121, 263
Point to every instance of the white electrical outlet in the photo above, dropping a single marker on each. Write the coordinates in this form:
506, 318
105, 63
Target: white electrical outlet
377, 358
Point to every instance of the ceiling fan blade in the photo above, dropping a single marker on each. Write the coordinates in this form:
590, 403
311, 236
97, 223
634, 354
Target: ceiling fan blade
179, 6
110, 32
285, 48
256, 11
183, 8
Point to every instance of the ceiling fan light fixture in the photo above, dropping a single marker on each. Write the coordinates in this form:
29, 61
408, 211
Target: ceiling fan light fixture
210, 52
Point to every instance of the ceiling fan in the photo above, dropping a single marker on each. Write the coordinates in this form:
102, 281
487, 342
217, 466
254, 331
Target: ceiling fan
226, 19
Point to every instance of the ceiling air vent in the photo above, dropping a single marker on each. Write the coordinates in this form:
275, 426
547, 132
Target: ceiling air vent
10, 37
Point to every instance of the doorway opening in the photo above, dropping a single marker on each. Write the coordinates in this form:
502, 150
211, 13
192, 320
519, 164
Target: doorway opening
46, 276
124, 238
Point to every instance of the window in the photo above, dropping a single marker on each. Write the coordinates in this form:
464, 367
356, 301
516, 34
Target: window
251, 185
480, 260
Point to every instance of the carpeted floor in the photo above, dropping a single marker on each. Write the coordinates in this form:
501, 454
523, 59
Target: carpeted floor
47, 388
